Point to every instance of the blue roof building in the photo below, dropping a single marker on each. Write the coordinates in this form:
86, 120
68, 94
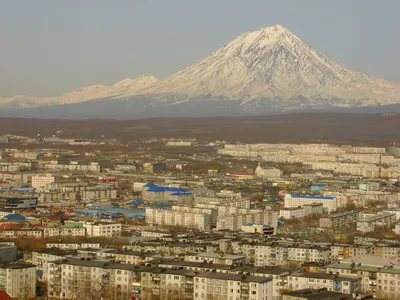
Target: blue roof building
154, 192
15, 217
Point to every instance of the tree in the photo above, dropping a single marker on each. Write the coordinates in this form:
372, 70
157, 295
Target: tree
30, 244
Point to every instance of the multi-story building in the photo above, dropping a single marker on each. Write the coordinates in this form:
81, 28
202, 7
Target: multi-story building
13, 234
72, 166
124, 256
330, 203
309, 253
198, 210
103, 229
387, 282
274, 254
18, 280
93, 279
270, 173
344, 284
18, 201
42, 182
61, 231
152, 192
42, 258
340, 220
72, 246
8, 253
367, 268
235, 222
200, 221
321, 294
231, 286
292, 213
163, 283
371, 221
155, 167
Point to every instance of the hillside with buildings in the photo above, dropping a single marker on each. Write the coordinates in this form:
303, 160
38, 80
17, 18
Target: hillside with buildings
187, 218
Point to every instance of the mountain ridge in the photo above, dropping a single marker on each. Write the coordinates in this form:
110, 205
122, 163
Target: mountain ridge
270, 68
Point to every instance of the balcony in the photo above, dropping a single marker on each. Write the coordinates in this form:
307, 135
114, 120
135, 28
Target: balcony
372, 282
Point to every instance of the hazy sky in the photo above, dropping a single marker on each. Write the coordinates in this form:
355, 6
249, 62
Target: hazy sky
48, 47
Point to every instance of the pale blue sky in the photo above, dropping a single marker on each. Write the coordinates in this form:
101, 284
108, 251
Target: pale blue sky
49, 47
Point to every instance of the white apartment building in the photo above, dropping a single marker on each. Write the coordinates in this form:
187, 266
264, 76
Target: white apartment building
26, 155
163, 283
198, 210
371, 150
73, 166
387, 280
309, 253
154, 234
103, 229
231, 286
72, 246
42, 182
235, 222
292, 213
18, 280
61, 231
200, 221
329, 203
270, 254
92, 279
42, 258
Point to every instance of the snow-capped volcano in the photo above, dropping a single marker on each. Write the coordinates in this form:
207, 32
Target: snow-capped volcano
267, 68
273, 63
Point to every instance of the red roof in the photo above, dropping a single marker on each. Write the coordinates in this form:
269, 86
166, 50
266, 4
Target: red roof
9, 226
4, 295
53, 218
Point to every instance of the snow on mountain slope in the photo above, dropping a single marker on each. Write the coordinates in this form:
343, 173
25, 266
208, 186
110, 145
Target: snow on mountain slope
136, 84
98, 91
272, 62
270, 67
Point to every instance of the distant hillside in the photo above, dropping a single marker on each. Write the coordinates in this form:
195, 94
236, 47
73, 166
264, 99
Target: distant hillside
377, 129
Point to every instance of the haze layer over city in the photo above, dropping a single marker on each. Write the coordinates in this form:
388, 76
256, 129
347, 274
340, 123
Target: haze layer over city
207, 150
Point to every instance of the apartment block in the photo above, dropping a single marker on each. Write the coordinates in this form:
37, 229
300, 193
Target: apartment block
231, 286
235, 222
103, 229
321, 294
340, 220
18, 280
93, 279
41, 182
163, 283
200, 221
347, 285
329, 203
371, 221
